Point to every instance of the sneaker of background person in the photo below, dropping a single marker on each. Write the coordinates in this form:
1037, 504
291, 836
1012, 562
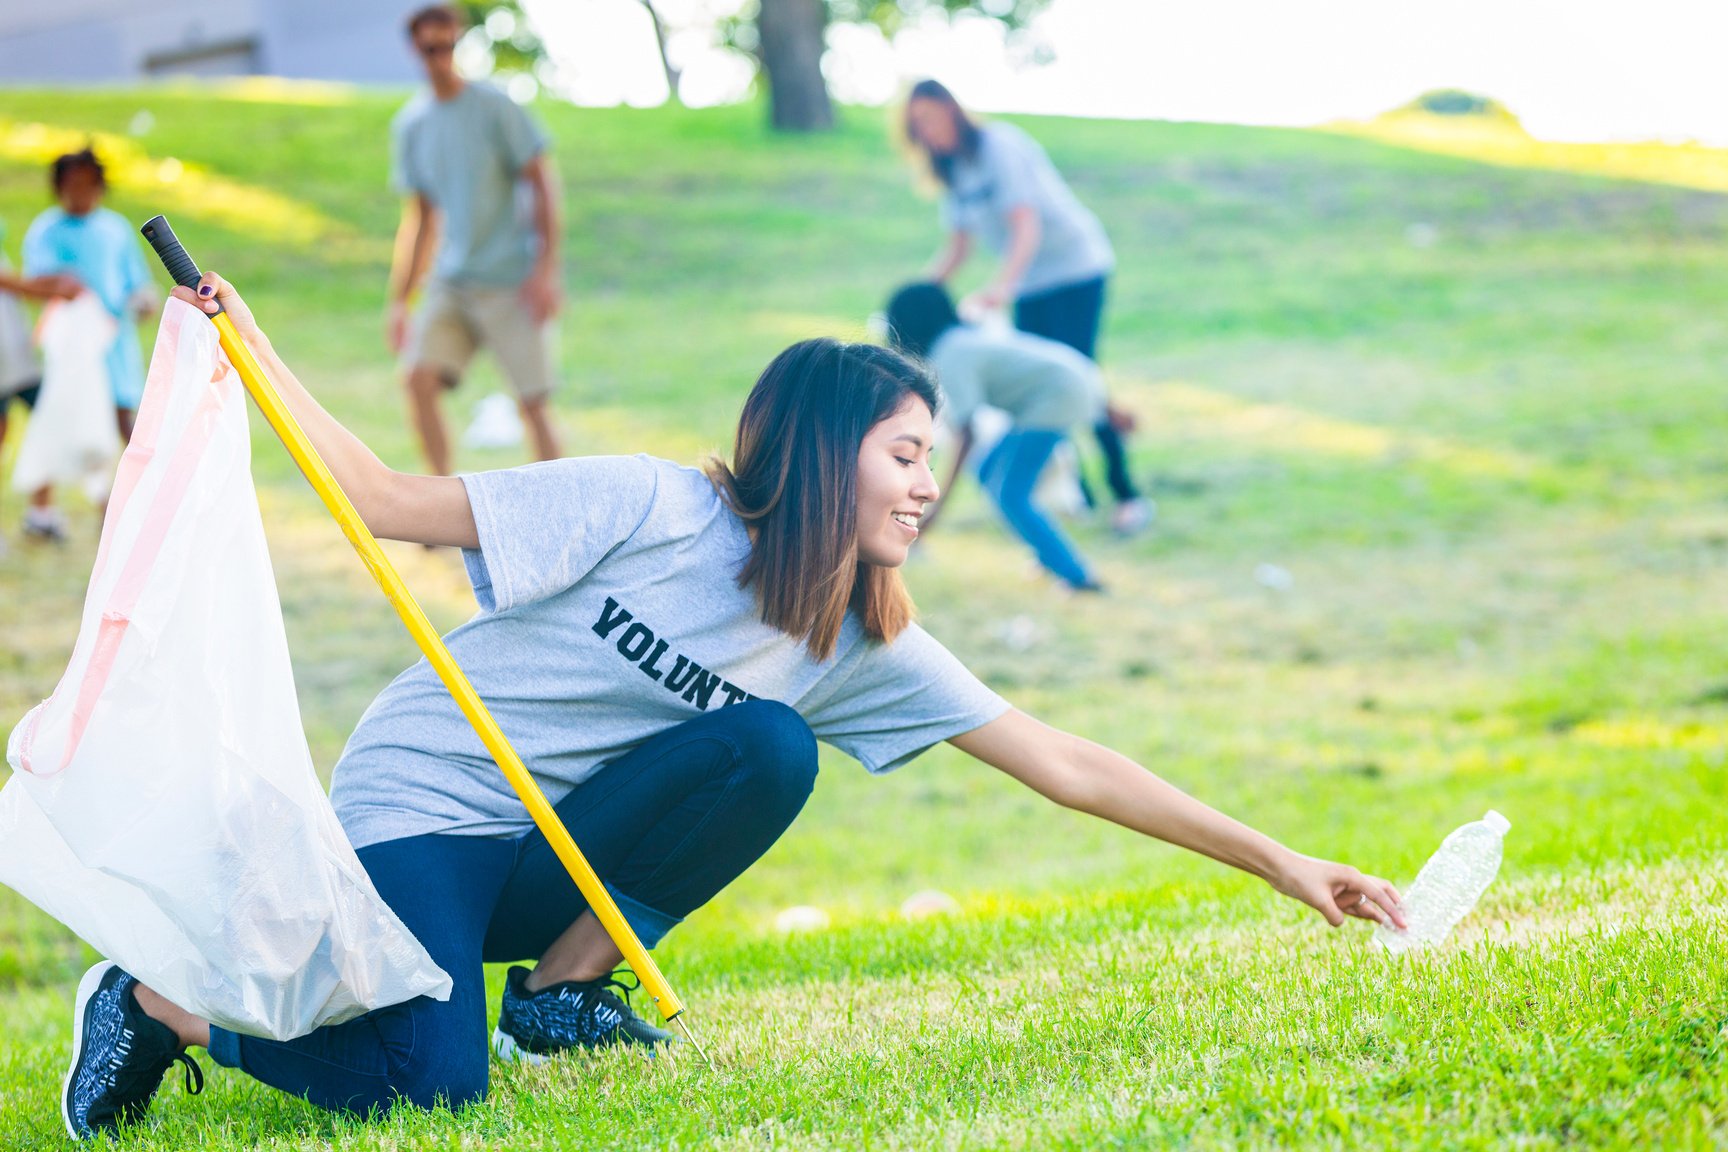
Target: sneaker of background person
1133, 516
534, 1026
119, 1056
1093, 587
47, 524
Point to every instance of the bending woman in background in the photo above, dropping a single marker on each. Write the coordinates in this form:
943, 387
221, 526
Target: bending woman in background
1046, 388
665, 646
1001, 188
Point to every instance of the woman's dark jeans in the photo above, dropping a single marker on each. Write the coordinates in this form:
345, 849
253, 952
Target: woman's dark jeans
1071, 315
667, 826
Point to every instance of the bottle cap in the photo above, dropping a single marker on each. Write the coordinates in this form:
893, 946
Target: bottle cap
1497, 822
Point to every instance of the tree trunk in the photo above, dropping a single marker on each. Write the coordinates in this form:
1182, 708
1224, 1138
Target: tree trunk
791, 37
672, 74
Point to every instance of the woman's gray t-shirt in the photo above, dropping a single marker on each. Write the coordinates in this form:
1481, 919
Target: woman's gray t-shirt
610, 611
1010, 169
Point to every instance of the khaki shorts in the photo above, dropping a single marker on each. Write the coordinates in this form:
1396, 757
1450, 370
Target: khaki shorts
454, 322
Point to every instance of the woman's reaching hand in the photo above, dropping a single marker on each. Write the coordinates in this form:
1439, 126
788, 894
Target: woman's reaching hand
1338, 890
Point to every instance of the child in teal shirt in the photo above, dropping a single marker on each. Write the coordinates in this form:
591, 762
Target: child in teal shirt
98, 247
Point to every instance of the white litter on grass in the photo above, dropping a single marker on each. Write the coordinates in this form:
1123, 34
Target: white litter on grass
1421, 235
496, 424
928, 903
1273, 577
1018, 633
801, 918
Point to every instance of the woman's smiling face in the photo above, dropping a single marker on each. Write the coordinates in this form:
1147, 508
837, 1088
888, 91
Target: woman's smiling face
894, 483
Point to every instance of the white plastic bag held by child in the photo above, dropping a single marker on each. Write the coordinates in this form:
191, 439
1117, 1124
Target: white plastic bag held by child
72, 437
163, 803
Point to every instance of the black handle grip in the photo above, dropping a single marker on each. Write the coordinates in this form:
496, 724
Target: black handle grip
171, 252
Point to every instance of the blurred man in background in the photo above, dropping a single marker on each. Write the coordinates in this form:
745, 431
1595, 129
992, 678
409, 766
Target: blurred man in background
480, 204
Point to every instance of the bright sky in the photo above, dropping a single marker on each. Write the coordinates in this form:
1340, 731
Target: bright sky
1570, 69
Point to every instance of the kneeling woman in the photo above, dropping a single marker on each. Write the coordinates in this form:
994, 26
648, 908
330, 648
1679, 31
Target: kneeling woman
665, 647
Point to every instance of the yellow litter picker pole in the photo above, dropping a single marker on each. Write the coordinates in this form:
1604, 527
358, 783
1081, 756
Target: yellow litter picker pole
263, 393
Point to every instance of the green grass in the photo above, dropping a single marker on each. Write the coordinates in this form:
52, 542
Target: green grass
1493, 466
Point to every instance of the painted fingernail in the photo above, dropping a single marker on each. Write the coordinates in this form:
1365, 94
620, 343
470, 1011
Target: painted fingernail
206, 290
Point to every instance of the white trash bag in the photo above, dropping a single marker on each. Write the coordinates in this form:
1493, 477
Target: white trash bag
72, 437
163, 804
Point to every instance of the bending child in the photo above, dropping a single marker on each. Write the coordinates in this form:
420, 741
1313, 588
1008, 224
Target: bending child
1046, 389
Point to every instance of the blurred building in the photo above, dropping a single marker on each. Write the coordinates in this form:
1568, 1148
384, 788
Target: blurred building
85, 41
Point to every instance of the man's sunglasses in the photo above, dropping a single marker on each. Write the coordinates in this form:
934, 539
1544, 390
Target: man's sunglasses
443, 48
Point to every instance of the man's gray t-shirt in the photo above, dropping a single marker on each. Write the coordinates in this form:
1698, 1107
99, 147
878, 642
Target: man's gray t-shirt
1041, 384
609, 612
466, 156
1010, 169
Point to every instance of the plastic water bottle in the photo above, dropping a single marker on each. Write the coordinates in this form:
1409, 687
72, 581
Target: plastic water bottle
1449, 884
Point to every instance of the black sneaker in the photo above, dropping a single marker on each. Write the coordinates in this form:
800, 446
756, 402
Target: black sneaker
118, 1056
535, 1026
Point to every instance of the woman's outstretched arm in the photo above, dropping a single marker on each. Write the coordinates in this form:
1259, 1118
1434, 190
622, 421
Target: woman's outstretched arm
1025, 233
1088, 777
948, 261
394, 505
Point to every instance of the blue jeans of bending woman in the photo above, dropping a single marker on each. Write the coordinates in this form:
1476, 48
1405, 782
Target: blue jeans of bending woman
1009, 474
667, 826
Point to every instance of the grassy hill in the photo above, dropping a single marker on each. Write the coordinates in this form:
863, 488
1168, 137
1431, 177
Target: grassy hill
1473, 406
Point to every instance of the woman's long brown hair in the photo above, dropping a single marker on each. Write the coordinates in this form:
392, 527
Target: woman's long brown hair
942, 164
794, 480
